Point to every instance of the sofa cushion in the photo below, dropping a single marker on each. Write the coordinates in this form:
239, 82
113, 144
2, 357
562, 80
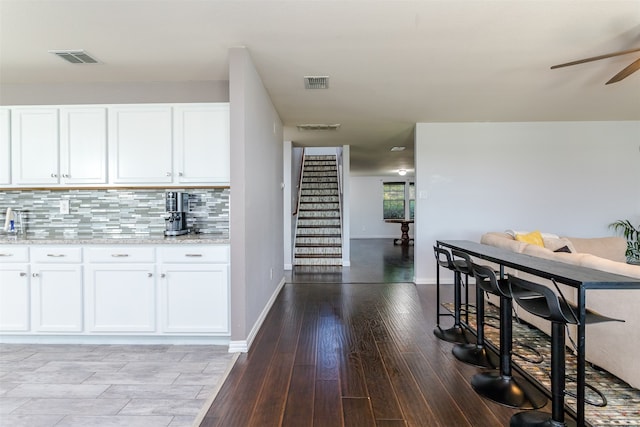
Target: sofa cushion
533, 238
556, 243
502, 240
612, 248
603, 264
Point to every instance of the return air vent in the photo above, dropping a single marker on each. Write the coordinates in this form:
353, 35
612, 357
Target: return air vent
75, 56
317, 127
316, 82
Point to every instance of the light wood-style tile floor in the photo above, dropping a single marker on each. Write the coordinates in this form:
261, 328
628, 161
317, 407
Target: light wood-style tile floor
108, 385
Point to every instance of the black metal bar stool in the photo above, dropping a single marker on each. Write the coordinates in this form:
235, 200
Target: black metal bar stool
457, 333
476, 354
504, 386
542, 301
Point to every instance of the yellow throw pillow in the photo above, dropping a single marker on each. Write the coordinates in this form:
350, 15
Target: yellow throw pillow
534, 238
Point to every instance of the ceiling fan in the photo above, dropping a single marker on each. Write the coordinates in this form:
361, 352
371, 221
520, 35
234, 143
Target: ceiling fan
626, 72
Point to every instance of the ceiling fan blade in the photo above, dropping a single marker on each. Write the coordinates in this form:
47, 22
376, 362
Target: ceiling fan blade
595, 58
626, 72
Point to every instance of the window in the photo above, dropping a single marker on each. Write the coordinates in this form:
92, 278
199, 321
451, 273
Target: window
397, 197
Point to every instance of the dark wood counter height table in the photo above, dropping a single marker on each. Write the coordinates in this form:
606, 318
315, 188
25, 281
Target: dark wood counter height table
404, 239
581, 278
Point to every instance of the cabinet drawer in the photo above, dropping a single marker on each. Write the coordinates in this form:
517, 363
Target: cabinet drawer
56, 254
120, 254
11, 253
195, 253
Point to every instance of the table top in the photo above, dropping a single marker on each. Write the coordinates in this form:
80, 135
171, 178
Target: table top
572, 275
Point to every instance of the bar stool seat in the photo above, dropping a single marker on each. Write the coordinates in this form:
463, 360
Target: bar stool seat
504, 386
457, 333
542, 301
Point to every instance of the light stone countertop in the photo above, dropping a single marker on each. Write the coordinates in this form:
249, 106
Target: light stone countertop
119, 239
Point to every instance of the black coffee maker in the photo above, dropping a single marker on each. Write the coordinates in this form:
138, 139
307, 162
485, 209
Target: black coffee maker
177, 206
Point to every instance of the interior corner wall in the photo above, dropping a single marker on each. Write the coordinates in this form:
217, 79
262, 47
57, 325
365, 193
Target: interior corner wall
366, 208
256, 196
568, 178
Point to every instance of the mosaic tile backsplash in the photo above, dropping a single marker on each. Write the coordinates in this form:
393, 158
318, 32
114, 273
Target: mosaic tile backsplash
100, 213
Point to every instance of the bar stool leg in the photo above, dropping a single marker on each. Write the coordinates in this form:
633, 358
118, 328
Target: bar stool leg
477, 354
457, 333
556, 418
502, 386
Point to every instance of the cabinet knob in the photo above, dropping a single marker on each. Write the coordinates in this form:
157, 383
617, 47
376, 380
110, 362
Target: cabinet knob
54, 175
168, 173
149, 275
180, 174
163, 275
65, 175
35, 275
23, 274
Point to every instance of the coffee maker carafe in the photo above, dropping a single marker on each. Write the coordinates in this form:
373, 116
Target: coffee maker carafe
177, 206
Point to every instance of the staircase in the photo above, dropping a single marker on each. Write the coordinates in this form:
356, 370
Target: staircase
318, 231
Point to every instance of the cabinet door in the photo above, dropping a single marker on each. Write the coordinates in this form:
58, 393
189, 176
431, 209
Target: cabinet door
14, 297
83, 145
202, 143
5, 146
140, 145
195, 298
57, 297
34, 145
120, 298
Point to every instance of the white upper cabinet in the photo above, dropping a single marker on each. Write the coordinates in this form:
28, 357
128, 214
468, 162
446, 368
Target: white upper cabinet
140, 144
201, 141
83, 145
133, 144
34, 146
5, 146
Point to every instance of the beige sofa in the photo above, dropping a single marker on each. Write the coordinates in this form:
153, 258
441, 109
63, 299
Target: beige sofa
613, 346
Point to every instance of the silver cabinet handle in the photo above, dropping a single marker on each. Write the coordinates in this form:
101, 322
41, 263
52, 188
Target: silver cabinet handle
65, 175
35, 275
23, 274
56, 255
163, 275
168, 173
119, 255
149, 275
6, 254
180, 174
193, 255
54, 175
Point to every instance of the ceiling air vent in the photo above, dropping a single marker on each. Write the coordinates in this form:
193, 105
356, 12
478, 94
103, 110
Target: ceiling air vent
316, 82
317, 127
77, 56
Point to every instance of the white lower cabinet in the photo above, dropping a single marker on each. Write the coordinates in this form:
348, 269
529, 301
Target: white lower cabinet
57, 298
113, 290
14, 297
194, 298
56, 289
121, 298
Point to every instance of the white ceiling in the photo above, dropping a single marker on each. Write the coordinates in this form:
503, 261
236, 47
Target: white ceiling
391, 63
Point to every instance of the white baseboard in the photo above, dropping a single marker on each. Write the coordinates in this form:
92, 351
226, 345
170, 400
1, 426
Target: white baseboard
242, 346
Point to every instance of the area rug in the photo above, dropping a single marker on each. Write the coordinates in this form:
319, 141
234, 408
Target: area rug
623, 401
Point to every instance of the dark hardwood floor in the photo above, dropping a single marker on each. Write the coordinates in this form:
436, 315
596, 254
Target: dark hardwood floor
353, 354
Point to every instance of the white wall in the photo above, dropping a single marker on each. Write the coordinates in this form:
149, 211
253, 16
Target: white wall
366, 208
569, 178
113, 92
256, 200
